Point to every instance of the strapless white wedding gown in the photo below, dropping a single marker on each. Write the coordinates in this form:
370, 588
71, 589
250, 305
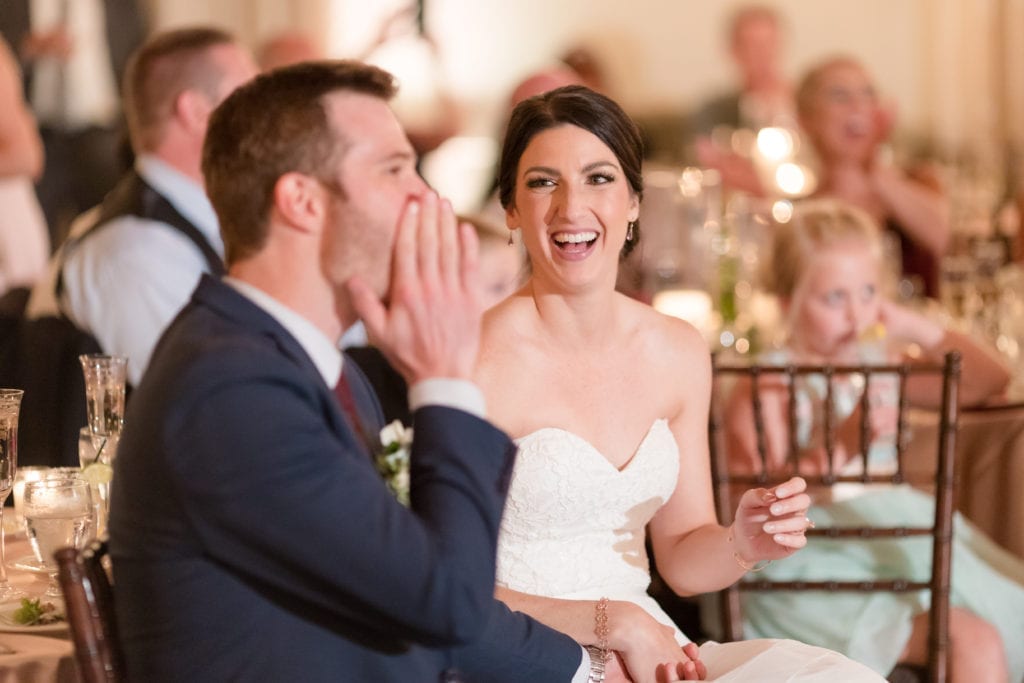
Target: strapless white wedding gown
574, 528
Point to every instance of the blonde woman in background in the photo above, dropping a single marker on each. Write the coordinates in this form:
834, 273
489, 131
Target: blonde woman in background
840, 112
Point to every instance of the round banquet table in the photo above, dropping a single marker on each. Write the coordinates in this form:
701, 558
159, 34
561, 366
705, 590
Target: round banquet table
989, 466
45, 655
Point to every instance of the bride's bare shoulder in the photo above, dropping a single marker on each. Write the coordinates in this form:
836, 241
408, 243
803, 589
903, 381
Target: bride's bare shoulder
668, 335
505, 328
507, 316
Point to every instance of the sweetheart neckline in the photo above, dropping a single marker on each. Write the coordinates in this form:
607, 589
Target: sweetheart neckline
625, 466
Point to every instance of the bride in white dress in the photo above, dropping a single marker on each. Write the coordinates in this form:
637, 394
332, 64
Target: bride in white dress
609, 402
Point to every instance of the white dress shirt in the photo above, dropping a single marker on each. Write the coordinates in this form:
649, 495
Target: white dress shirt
82, 91
127, 282
326, 356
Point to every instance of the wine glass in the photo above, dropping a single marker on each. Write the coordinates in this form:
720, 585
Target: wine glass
58, 514
10, 405
105, 378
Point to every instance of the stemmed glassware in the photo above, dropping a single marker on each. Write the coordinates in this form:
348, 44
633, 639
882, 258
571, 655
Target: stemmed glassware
58, 514
105, 378
10, 406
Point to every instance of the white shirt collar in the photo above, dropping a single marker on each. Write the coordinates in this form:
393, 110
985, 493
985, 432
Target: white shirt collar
185, 194
322, 351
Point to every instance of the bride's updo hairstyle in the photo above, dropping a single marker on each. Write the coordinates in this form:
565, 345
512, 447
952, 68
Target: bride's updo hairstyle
578, 106
816, 224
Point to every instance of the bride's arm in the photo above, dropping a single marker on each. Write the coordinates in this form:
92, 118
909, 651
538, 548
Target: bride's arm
643, 642
693, 552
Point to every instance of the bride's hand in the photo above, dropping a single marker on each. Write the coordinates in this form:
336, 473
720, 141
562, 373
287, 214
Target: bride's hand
649, 648
770, 523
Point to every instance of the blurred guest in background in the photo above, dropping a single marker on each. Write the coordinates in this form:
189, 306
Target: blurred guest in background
841, 115
24, 245
74, 53
764, 98
501, 260
826, 268
131, 263
584, 61
287, 47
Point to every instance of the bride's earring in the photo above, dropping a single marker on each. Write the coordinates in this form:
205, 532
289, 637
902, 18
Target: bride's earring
629, 231
510, 242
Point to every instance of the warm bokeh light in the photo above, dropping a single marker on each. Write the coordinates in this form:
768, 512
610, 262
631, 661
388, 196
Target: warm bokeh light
775, 144
691, 305
690, 181
791, 178
782, 210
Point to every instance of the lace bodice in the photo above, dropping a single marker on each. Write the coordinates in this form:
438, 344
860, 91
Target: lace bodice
573, 524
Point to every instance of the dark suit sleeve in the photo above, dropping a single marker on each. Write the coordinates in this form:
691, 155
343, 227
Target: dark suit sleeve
296, 508
513, 648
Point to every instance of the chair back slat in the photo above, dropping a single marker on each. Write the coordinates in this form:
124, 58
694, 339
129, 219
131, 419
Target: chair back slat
830, 430
902, 430
791, 413
863, 424
89, 602
941, 481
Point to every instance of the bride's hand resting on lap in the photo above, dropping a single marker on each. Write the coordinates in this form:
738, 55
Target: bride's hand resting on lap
648, 648
770, 523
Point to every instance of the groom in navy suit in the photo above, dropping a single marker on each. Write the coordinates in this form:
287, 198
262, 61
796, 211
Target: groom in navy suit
252, 538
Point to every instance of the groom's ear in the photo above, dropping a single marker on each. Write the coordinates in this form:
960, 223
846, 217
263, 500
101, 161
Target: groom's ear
301, 201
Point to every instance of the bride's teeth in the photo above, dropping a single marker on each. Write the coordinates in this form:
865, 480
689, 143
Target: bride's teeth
575, 237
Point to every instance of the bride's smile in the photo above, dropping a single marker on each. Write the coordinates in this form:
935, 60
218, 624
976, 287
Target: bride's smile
573, 204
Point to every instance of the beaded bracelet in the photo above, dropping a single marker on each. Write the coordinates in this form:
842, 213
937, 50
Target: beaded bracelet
601, 629
759, 566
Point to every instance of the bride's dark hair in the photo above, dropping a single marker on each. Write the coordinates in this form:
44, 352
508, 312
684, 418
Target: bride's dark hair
586, 109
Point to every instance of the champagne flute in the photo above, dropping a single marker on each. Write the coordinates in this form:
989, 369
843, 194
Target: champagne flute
58, 514
10, 406
105, 378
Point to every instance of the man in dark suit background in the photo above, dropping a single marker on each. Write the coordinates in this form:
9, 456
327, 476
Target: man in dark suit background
252, 538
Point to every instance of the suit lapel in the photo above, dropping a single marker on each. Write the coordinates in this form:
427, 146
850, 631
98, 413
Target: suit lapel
229, 303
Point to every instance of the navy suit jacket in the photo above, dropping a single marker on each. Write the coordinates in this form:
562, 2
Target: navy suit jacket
252, 538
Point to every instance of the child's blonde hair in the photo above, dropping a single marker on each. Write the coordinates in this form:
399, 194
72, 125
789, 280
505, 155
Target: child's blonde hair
815, 225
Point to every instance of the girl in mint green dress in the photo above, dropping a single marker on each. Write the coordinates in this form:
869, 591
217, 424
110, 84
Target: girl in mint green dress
824, 267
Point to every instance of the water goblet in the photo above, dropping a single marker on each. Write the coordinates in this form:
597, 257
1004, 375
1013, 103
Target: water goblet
35, 473
105, 378
58, 514
10, 406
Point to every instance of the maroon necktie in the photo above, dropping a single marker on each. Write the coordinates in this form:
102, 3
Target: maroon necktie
343, 392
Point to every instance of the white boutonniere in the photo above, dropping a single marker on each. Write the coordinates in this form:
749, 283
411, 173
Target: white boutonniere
393, 461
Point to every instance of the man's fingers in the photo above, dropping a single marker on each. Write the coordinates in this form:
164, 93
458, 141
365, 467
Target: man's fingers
450, 246
427, 240
404, 266
370, 309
